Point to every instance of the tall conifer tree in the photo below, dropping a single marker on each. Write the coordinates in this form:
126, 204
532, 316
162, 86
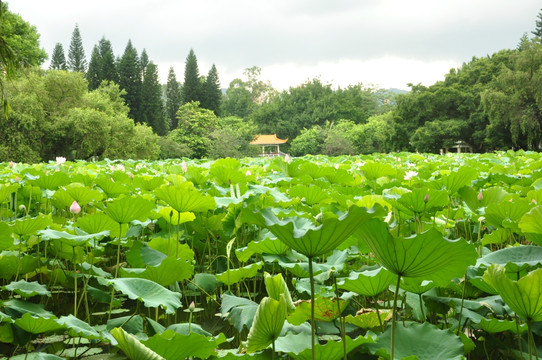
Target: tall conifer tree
58, 60
109, 69
130, 80
76, 54
191, 89
212, 94
538, 30
94, 73
173, 98
152, 107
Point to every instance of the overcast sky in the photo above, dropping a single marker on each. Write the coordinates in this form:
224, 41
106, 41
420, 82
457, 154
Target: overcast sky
385, 43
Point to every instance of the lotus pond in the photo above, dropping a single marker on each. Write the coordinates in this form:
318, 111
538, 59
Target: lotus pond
398, 256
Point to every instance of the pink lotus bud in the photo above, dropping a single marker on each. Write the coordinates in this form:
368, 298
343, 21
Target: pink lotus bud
248, 173
60, 160
287, 158
480, 196
75, 208
533, 201
11, 164
426, 198
336, 166
192, 307
184, 167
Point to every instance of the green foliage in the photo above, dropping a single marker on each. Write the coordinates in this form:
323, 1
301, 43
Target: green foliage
238, 101
191, 89
173, 98
130, 80
58, 59
309, 141
76, 54
195, 126
152, 108
212, 94
232, 138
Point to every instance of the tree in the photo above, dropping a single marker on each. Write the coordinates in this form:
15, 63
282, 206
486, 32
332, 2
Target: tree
173, 98
232, 138
58, 60
238, 101
309, 141
130, 81
152, 108
191, 90
94, 73
195, 126
212, 94
538, 30
109, 69
143, 62
76, 53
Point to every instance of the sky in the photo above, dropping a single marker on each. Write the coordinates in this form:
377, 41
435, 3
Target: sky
379, 43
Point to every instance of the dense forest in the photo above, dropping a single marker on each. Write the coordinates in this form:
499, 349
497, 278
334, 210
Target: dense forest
114, 106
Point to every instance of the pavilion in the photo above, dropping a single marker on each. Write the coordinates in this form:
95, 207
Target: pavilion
270, 144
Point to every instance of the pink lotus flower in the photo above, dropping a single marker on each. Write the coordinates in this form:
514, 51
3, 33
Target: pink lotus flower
60, 160
11, 164
184, 167
410, 174
287, 158
248, 173
480, 196
75, 208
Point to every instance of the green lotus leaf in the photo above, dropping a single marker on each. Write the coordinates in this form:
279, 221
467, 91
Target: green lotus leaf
374, 170
414, 201
174, 217
77, 327
233, 276
298, 264
205, 282
131, 324
141, 255
368, 283
265, 246
30, 225
303, 236
187, 328
513, 258
275, 193
172, 248
227, 171
83, 194
524, 296
36, 356
368, 319
416, 285
70, 239
507, 214
172, 345
494, 326
132, 347
61, 199
455, 180
111, 187
268, 323
325, 309
50, 181
168, 272
27, 289
98, 222
12, 264
276, 286
151, 293
315, 171
6, 240
498, 236
331, 350
491, 195
6, 190
148, 183
310, 195
425, 341
38, 325
427, 255
184, 198
531, 222
240, 310
125, 209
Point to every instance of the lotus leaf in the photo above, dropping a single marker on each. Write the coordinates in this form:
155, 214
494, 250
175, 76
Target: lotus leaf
125, 209
523, 296
77, 327
27, 289
132, 347
267, 325
38, 325
173, 345
233, 276
184, 198
513, 258
368, 283
30, 225
151, 293
427, 255
240, 310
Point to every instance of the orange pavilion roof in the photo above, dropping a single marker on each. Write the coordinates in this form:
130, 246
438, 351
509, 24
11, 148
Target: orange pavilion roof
268, 140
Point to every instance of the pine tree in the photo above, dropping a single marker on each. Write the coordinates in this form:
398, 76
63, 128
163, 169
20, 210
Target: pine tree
143, 62
192, 85
130, 80
538, 31
173, 98
109, 69
94, 73
58, 60
76, 54
212, 94
152, 107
